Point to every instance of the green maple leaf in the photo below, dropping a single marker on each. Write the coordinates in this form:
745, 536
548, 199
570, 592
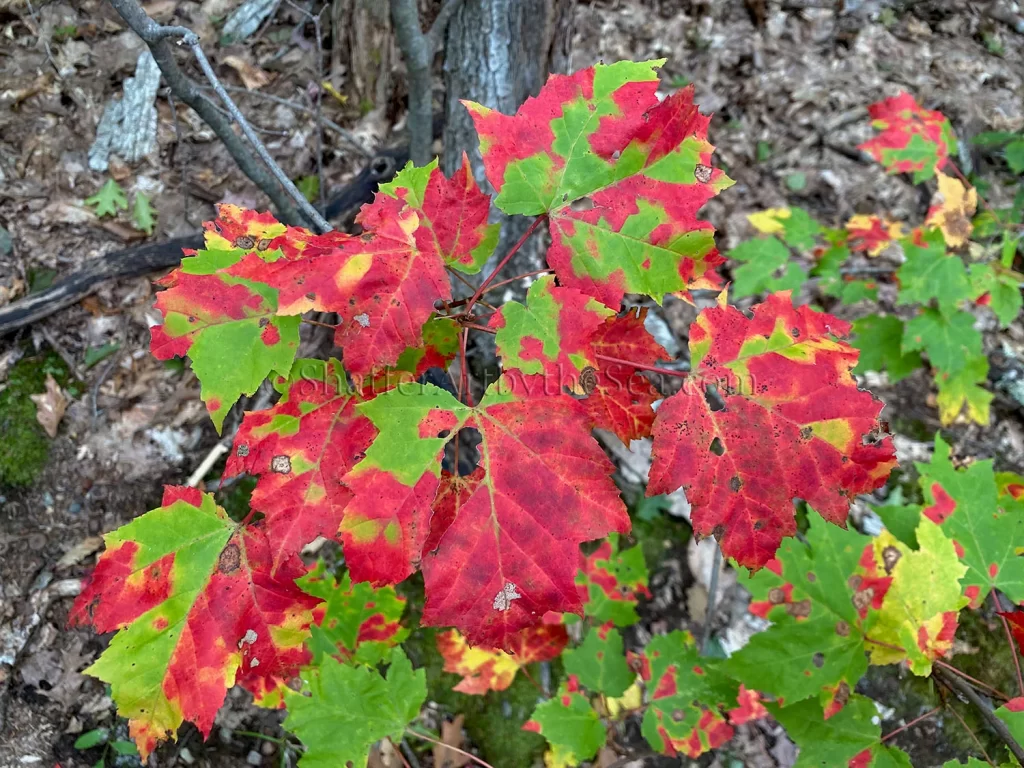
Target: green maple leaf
612, 577
986, 526
879, 339
948, 341
799, 229
600, 662
571, 726
918, 153
931, 273
1002, 287
359, 625
343, 710
815, 646
1014, 154
109, 200
919, 611
963, 389
763, 258
143, 215
839, 739
1012, 713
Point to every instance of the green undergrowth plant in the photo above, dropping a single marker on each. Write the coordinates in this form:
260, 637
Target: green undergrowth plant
955, 261
354, 450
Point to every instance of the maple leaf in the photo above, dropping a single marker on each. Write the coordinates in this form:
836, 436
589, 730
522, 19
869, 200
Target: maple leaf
609, 581
570, 724
793, 425
1015, 620
453, 213
439, 348
963, 389
912, 139
599, 663
301, 450
356, 623
985, 527
507, 550
794, 225
343, 709
872, 234
879, 339
851, 738
951, 210
143, 215
998, 288
918, 616
819, 608
197, 609
693, 705
949, 341
767, 266
491, 669
929, 272
550, 334
619, 399
228, 326
833, 281
619, 174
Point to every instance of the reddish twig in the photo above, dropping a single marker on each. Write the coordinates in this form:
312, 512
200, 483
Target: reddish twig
519, 277
644, 367
879, 643
973, 680
470, 755
912, 723
319, 324
464, 394
508, 257
481, 328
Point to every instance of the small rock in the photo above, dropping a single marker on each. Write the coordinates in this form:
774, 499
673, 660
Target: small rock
186, 756
254, 758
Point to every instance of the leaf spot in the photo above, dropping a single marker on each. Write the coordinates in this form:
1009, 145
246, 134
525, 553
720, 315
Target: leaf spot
363, 320
230, 559
588, 379
890, 556
843, 629
242, 450
818, 660
254, 663
245, 243
503, 600
800, 610
281, 464
702, 173
248, 638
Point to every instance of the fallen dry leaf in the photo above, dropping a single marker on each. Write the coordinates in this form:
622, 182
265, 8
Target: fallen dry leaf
253, 78
50, 406
451, 735
951, 210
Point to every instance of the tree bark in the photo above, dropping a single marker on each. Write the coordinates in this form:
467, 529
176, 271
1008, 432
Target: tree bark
499, 52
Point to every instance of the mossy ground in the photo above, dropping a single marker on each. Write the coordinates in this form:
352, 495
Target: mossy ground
25, 446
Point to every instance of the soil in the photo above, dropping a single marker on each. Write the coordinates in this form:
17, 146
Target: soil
773, 78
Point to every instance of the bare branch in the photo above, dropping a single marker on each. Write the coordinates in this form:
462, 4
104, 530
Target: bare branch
156, 36
437, 29
984, 709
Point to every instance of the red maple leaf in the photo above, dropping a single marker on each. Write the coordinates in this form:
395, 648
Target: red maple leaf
791, 424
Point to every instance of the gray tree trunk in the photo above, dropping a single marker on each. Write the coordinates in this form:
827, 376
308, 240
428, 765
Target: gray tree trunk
498, 53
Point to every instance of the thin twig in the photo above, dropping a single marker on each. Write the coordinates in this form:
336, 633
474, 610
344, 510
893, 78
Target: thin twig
45, 42
257, 128
519, 277
644, 367
973, 680
464, 394
970, 733
470, 755
984, 709
508, 257
911, 724
481, 328
156, 37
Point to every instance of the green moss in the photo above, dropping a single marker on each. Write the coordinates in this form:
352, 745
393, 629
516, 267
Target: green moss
494, 722
25, 446
235, 498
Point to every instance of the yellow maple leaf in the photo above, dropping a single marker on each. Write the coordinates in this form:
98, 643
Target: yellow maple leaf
770, 221
952, 207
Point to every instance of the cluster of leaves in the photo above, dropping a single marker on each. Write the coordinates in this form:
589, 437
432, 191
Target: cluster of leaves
354, 450
110, 199
950, 264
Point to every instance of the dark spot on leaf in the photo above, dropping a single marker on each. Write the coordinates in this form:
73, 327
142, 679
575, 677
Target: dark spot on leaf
718, 531
716, 447
263, 244
800, 610
588, 379
230, 559
794, 332
806, 432
245, 243
444, 433
854, 581
861, 600
842, 693
843, 629
759, 525
890, 556
811, 577
818, 660
702, 173
242, 451
735, 483
281, 464
678, 715
776, 596
264, 322
311, 296
191, 319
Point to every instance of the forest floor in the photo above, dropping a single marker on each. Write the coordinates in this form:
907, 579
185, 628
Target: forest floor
776, 86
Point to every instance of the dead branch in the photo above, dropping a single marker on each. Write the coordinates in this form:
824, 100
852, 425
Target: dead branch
964, 690
291, 204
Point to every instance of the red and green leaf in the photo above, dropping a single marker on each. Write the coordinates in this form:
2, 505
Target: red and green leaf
571, 726
301, 449
491, 669
610, 580
620, 175
197, 607
794, 425
693, 705
912, 139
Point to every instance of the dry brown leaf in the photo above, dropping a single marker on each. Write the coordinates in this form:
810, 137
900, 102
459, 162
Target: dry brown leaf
50, 406
451, 735
253, 78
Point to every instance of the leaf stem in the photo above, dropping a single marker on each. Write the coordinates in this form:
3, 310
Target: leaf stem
481, 328
470, 755
464, 394
519, 277
508, 257
912, 723
644, 367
